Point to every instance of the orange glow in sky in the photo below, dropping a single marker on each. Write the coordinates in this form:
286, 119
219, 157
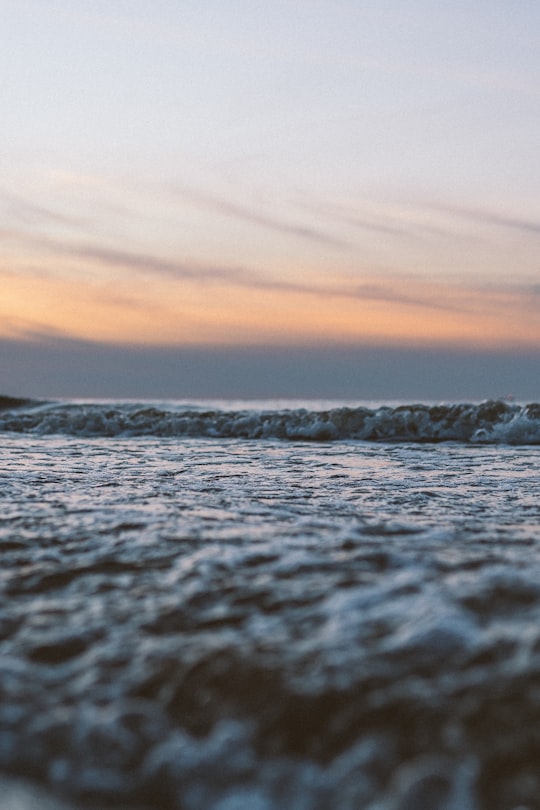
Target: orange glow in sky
315, 173
122, 306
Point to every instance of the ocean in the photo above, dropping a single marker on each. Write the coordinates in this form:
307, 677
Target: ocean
269, 606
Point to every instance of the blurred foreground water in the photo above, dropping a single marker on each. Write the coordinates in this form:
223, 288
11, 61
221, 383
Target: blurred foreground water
224, 623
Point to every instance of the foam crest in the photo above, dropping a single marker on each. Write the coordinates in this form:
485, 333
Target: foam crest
491, 422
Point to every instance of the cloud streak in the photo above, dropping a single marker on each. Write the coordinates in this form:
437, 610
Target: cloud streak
18, 208
152, 265
411, 292
115, 278
246, 214
483, 217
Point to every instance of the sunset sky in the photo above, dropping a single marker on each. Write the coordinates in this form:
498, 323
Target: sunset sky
191, 186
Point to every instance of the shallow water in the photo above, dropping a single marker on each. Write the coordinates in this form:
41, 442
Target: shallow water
214, 624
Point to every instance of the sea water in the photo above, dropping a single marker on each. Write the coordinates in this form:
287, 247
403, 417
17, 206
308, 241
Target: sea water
269, 606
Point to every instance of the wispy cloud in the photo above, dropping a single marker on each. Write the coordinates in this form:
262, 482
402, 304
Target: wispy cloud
483, 217
18, 328
263, 220
106, 261
20, 210
152, 265
399, 219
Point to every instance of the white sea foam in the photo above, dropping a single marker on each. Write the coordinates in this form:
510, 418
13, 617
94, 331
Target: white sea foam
195, 623
489, 422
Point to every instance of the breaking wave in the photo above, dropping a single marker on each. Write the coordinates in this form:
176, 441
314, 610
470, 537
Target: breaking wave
491, 422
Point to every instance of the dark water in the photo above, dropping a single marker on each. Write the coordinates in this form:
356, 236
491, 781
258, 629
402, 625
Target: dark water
219, 624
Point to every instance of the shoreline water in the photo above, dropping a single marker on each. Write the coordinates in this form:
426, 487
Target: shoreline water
196, 623
492, 421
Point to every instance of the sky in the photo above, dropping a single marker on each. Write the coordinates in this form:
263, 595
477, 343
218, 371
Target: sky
290, 198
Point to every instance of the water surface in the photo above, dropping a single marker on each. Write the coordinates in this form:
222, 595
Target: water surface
218, 623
